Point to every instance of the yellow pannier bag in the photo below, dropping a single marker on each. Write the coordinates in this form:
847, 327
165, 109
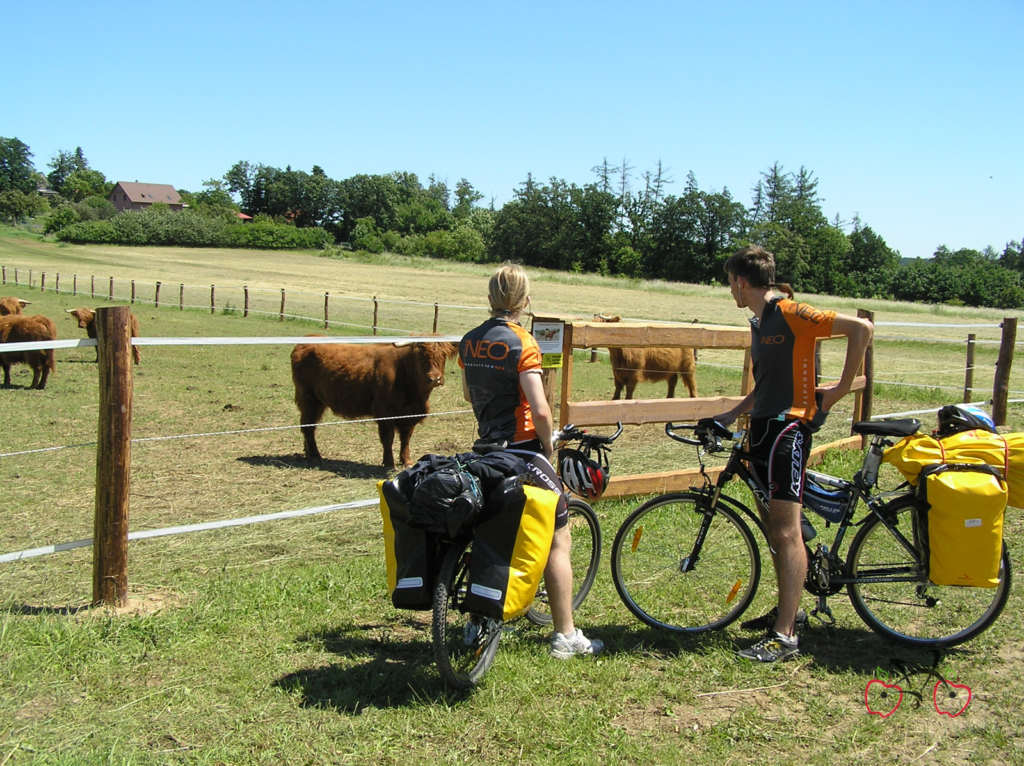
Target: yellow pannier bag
1003, 451
964, 506
510, 551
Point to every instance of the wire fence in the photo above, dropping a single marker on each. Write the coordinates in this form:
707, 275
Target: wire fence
333, 310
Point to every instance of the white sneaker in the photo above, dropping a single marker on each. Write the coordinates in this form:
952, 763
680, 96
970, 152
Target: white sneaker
565, 647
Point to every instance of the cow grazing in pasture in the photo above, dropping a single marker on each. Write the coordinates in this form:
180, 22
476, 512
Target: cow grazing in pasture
379, 380
10, 305
87, 321
20, 328
632, 365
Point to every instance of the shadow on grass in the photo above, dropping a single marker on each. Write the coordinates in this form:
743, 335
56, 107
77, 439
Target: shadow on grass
382, 670
347, 468
33, 610
834, 649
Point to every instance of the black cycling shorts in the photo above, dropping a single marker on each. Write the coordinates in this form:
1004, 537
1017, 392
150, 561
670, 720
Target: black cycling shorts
543, 474
780, 449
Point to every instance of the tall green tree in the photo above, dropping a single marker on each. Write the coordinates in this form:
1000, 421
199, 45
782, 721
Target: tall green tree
62, 165
16, 169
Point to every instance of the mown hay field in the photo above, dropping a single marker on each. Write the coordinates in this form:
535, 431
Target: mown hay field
276, 642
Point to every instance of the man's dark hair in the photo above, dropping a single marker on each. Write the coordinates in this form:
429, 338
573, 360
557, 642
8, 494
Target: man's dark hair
755, 264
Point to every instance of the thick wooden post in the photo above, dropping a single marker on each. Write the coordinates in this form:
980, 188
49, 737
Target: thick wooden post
969, 371
133, 292
864, 400
435, 317
375, 315
245, 294
181, 296
113, 457
42, 282
1001, 387
156, 296
110, 290
327, 321
213, 301
282, 305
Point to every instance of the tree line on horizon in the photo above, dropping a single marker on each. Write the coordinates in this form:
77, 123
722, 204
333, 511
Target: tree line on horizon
618, 224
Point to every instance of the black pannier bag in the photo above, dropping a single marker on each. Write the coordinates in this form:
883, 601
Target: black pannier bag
411, 555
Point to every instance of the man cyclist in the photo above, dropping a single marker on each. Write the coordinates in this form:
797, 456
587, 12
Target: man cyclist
501, 364
785, 410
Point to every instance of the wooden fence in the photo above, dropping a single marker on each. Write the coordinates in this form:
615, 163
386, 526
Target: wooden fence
583, 334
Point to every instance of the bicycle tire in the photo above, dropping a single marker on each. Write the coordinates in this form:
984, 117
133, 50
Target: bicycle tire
912, 611
658, 539
464, 645
585, 530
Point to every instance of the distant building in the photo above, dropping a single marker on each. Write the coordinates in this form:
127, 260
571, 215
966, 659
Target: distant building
136, 196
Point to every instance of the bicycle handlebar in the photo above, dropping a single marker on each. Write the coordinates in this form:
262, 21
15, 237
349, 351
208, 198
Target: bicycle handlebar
571, 433
708, 432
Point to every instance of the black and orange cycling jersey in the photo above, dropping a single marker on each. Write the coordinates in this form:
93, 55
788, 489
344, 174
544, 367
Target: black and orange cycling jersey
492, 357
782, 349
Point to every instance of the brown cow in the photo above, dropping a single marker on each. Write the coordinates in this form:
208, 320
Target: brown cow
10, 305
379, 380
87, 320
632, 365
19, 328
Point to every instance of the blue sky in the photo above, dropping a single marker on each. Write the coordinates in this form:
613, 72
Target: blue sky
908, 113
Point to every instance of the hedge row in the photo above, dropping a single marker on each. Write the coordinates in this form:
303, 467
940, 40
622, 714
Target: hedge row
185, 228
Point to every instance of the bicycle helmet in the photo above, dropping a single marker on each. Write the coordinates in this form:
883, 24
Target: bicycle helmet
954, 418
583, 475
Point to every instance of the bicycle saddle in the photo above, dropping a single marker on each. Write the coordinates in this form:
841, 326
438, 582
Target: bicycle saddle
904, 427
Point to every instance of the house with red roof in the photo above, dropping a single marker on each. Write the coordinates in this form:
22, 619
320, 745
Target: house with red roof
136, 196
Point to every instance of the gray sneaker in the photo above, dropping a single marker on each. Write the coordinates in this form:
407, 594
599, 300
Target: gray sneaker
565, 647
772, 648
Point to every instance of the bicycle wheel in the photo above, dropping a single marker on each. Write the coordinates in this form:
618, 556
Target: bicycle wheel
586, 555
892, 594
679, 566
464, 644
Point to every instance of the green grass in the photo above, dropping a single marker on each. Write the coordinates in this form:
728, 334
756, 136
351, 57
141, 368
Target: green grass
276, 643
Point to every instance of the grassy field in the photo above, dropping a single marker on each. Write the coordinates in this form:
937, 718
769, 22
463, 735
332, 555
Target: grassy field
276, 642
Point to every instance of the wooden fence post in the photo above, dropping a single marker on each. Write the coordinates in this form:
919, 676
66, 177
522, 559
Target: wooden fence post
181, 297
969, 372
245, 293
156, 296
15, 275
327, 296
113, 457
56, 283
375, 315
282, 305
110, 290
435, 318
1001, 386
92, 285
133, 292
42, 282
3, 270
213, 302
74, 284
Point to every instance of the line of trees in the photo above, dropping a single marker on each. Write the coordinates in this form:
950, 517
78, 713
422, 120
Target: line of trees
620, 223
